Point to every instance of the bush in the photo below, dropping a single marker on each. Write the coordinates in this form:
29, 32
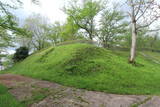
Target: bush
21, 54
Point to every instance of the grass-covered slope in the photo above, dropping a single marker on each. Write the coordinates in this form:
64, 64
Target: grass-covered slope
92, 68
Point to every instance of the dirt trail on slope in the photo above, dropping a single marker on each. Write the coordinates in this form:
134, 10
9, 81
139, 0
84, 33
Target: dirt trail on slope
38, 93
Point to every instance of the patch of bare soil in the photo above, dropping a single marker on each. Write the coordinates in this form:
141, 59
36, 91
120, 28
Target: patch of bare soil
38, 93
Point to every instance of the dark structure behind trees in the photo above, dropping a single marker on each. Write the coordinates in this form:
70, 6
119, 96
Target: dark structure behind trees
21, 54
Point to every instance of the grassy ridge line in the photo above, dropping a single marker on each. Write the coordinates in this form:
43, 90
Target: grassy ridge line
89, 67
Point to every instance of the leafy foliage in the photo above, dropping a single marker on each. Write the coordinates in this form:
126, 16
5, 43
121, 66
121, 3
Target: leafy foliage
5, 39
5, 42
7, 19
112, 26
84, 16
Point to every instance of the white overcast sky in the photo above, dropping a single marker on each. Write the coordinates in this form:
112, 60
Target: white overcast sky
48, 8
52, 9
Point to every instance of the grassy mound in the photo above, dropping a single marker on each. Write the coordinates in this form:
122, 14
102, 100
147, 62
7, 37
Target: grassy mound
89, 67
85, 61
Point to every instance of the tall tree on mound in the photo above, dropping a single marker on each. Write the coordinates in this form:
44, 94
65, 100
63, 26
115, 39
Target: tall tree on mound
142, 13
83, 15
112, 26
37, 26
70, 30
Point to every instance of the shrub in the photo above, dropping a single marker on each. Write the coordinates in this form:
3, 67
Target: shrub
21, 54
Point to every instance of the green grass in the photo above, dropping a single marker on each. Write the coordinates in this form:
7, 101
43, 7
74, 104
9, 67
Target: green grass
7, 100
89, 67
153, 55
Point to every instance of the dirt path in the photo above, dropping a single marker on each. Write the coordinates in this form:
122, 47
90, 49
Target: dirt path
38, 93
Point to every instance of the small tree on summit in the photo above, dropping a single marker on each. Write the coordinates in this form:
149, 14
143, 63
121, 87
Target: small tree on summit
83, 15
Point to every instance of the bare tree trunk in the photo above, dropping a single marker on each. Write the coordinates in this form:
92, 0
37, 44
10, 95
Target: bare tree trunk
133, 45
91, 30
90, 36
134, 36
104, 44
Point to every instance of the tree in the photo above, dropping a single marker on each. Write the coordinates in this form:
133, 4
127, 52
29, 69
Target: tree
153, 41
5, 42
37, 26
84, 15
55, 33
8, 25
7, 19
63, 32
7, 62
70, 30
145, 40
142, 38
142, 14
112, 25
